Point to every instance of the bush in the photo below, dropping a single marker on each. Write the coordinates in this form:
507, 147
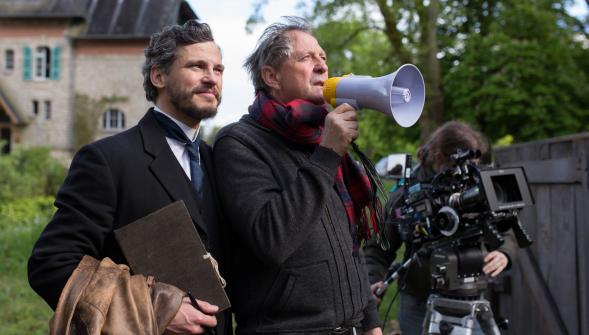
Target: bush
21, 223
28, 180
26, 212
29, 173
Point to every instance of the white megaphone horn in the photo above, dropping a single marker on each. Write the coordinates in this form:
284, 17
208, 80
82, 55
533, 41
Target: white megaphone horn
400, 94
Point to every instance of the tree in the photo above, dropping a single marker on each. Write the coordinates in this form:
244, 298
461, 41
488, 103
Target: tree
522, 78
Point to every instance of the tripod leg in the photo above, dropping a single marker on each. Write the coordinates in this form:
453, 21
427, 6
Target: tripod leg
428, 315
486, 320
433, 322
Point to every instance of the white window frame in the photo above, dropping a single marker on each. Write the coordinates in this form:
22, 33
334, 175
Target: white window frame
42, 63
113, 119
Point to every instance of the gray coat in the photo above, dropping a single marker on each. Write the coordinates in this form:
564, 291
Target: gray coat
293, 267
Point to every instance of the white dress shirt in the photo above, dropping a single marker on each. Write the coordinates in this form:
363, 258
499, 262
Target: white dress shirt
178, 148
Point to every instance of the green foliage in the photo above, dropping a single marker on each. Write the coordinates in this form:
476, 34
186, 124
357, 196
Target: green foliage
504, 141
29, 179
522, 78
21, 222
380, 136
29, 172
385, 303
350, 48
26, 212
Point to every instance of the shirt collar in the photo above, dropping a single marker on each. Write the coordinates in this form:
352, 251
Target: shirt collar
191, 133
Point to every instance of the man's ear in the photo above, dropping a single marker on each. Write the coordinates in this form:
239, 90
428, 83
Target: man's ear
271, 77
157, 77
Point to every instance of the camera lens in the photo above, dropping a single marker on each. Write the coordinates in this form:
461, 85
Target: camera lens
447, 221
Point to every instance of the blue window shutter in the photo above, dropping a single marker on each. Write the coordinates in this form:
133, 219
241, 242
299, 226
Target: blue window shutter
55, 62
27, 63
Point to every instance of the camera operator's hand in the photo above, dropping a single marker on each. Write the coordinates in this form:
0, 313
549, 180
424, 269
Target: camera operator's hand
495, 263
341, 128
374, 287
189, 320
373, 331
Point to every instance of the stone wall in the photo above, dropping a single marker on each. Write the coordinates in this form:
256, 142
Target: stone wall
101, 72
39, 130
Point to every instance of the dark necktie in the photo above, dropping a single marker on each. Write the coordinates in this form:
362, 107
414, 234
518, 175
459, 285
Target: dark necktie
173, 131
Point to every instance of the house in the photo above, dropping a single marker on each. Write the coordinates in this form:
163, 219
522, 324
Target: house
70, 70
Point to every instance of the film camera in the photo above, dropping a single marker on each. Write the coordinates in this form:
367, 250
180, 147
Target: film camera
453, 219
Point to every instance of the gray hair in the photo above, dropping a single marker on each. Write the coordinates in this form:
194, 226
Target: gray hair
273, 48
162, 50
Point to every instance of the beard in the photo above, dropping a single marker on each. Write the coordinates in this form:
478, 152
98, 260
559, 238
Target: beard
182, 101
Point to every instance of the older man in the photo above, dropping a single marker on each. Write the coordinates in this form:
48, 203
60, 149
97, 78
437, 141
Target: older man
294, 197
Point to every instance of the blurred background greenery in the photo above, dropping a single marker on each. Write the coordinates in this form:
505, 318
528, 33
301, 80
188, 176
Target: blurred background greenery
29, 180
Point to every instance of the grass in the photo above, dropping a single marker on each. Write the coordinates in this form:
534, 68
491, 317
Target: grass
23, 312
391, 326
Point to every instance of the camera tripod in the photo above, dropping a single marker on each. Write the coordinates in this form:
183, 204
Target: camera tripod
454, 313
448, 316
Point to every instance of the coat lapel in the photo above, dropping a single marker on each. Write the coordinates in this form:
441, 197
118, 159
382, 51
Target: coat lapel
166, 168
209, 196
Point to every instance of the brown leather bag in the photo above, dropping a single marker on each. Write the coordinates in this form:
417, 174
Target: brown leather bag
102, 297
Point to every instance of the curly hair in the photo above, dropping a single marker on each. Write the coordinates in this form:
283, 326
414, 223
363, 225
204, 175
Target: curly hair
444, 142
162, 50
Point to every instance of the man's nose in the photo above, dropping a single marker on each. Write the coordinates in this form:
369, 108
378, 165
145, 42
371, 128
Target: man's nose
320, 66
210, 77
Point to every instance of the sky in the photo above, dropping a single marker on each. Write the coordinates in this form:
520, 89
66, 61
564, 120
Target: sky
227, 19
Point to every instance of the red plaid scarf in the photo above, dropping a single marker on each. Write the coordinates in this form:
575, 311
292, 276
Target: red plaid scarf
301, 122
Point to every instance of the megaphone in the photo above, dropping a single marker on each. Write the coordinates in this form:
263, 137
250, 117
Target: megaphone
400, 94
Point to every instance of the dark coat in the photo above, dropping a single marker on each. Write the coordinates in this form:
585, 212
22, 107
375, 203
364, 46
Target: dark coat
293, 266
113, 182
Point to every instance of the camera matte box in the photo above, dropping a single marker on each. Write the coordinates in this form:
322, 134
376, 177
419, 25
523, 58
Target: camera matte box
506, 188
